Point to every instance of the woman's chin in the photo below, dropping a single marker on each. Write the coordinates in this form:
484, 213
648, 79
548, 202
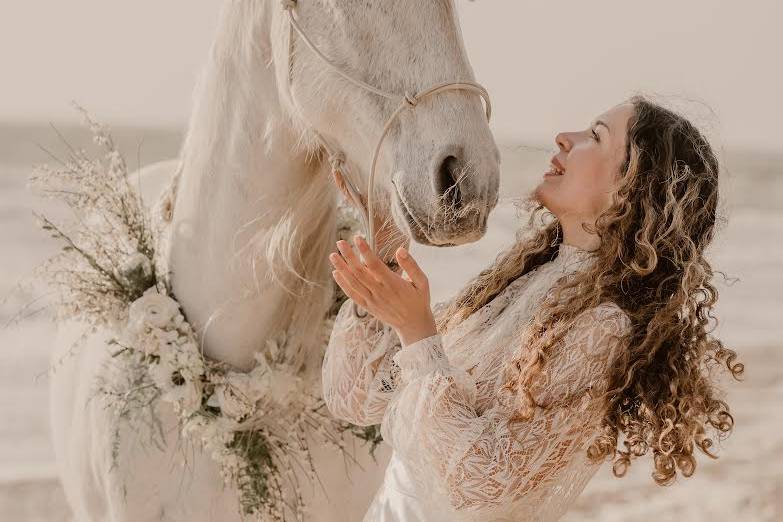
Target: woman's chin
547, 195
541, 194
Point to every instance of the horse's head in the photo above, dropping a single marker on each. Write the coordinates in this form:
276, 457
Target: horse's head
438, 170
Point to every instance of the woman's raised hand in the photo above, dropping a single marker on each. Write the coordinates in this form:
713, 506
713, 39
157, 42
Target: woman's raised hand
399, 301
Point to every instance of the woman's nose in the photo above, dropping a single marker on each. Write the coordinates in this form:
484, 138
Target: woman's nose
563, 141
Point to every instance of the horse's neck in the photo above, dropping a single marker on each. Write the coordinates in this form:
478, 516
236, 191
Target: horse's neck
253, 219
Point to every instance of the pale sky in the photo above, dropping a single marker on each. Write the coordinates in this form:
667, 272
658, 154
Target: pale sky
549, 66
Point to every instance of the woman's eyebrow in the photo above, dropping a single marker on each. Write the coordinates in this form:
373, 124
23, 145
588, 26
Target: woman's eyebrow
601, 122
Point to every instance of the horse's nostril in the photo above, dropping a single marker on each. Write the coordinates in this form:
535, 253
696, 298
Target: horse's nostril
447, 178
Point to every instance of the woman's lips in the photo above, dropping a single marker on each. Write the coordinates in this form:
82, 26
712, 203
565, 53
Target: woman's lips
553, 172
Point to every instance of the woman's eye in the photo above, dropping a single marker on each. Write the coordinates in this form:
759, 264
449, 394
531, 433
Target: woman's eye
595, 135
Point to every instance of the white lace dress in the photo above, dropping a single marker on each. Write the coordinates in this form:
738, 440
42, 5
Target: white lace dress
454, 458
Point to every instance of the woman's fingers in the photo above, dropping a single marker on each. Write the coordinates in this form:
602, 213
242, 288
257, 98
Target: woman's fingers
355, 265
343, 268
374, 264
349, 290
411, 267
348, 254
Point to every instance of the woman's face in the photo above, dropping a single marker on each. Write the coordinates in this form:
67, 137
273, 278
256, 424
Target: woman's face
586, 168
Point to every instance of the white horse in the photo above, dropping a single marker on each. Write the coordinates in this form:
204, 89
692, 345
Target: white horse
248, 219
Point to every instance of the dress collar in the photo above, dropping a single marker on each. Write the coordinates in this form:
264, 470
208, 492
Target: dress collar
572, 257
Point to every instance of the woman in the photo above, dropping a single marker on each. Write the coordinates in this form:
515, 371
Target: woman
501, 403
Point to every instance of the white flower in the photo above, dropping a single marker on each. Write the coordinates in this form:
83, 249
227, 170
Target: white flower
154, 342
186, 397
279, 384
179, 385
151, 310
237, 395
189, 359
162, 371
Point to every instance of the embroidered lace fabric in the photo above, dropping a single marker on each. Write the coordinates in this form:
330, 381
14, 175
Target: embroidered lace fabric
439, 405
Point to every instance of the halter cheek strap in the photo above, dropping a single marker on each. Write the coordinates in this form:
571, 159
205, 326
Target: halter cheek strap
406, 101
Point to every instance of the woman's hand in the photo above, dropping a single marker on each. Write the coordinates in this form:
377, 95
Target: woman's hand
401, 302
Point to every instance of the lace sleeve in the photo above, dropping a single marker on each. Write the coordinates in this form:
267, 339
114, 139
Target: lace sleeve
359, 375
476, 461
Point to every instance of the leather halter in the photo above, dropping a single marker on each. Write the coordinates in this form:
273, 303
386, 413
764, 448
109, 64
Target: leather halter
406, 101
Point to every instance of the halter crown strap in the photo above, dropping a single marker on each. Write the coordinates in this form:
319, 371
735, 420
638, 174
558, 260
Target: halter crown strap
406, 101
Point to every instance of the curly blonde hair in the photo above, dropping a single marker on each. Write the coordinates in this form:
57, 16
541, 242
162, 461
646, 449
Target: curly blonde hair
651, 263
